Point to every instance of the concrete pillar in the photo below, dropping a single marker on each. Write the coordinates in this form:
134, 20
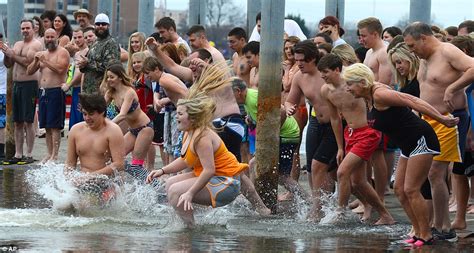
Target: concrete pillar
420, 10
197, 12
15, 10
336, 8
253, 8
146, 10
268, 122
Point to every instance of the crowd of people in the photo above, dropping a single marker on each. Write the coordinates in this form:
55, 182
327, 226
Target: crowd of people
398, 106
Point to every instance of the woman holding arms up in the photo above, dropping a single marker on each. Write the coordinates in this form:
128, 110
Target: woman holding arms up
391, 112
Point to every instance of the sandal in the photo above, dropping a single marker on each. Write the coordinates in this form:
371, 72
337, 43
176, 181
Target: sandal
420, 242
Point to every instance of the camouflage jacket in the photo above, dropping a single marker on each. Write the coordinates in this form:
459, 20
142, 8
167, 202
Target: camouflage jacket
99, 56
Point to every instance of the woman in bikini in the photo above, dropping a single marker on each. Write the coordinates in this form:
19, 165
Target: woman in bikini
138, 139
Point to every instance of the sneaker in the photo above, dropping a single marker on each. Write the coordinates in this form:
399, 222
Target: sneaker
12, 161
438, 236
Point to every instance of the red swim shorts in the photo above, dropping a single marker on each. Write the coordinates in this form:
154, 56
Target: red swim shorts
361, 141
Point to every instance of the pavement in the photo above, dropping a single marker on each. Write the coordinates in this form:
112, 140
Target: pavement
391, 201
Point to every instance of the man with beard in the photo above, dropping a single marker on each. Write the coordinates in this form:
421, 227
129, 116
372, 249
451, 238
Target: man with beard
103, 52
25, 90
53, 64
83, 18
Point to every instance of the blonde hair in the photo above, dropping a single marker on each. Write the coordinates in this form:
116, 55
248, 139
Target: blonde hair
182, 51
403, 53
138, 55
372, 24
213, 78
358, 72
346, 53
141, 39
292, 39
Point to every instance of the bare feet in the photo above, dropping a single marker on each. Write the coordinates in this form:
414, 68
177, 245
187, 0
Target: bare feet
315, 214
470, 209
367, 210
459, 224
263, 210
288, 196
354, 204
385, 220
45, 160
359, 209
453, 208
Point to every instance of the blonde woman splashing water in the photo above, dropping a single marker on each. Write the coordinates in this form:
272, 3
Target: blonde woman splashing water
215, 176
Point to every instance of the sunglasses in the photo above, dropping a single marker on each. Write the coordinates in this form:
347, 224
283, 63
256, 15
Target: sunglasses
101, 24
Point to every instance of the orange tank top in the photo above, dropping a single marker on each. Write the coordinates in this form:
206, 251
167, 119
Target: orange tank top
225, 162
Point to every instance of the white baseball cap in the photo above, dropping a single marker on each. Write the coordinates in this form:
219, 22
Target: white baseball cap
102, 18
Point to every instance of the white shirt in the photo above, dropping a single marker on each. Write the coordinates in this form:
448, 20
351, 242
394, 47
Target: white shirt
181, 41
338, 42
3, 74
290, 27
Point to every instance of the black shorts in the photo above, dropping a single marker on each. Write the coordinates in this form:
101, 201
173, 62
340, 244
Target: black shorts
324, 144
286, 157
463, 127
52, 108
24, 101
231, 129
158, 128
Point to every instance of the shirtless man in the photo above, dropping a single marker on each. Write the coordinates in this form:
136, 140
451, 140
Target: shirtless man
237, 39
198, 39
25, 90
80, 47
307, 83
360, 140
98, 143
444, 73
370, 33
251, 51
96, 140
227, 111
167, 29
53, 64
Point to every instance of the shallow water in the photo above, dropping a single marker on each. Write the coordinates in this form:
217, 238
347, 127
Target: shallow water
138, 220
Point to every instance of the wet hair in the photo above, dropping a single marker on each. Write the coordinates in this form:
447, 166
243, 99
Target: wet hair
166, 22
331, 20
40, 25
371, 24
325, 36
416, 29
172, 52
468, 24
252, 47
291, 39
308, 49
359, 72
451, 30
397, 39
402, 51
141, 39
330, 61
392, 30
49, 14
151, 64
238, 32
465, 43
346, 53
67, 30
92, 103
196, 29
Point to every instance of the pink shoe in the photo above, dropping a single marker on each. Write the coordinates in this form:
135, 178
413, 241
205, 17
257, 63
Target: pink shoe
420, 242
411, 240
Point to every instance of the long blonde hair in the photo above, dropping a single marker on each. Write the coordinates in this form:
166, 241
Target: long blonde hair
403, 53
346, 53
359, 72
141, 39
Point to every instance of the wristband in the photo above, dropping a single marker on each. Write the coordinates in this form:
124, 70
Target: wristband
163, 171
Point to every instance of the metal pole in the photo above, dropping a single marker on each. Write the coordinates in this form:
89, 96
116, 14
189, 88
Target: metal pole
420, 10
146, 10
15, 10
2, 27
202, 12
253, 8
197, 12
335, 8
107, 7
268, 126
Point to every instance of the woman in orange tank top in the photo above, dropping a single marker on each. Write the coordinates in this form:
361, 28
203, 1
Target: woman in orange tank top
214, 179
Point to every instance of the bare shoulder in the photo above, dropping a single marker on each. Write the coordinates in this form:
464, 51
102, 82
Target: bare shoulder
63, 51
77, 128
112, 129
297, 78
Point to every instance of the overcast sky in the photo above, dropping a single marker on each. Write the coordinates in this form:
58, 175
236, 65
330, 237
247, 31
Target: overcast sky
444, 12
